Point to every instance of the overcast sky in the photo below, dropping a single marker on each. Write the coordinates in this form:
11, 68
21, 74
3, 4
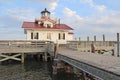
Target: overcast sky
86, 17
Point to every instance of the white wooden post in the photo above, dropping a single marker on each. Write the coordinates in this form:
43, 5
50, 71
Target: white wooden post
115, 49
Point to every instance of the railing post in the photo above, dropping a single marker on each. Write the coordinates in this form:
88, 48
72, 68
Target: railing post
117, 44
92, 48
94, 38
115, 49
88, 38
35, 44
9, 44
23, 44
103, 37
56, 50
77, 45
79, 39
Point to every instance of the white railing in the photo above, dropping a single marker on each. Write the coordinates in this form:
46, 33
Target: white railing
86, 45
24, 44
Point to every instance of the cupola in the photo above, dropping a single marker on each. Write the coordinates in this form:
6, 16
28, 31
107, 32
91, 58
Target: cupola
45, 14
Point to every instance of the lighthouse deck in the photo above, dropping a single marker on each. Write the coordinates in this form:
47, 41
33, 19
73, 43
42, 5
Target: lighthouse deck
101, 66
20, 47
26, 46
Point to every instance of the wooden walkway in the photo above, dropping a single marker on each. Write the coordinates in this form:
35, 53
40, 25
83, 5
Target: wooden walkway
98, 65
76, 54
20, 47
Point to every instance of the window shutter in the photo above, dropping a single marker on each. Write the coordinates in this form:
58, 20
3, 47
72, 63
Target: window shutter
37, 36
31, 35
64, 36
59, 36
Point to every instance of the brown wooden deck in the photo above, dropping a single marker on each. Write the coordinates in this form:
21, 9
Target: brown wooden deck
21, 47
104, 67
108, 64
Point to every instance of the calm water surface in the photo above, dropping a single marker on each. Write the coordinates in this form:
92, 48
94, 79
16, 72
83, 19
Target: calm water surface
31, 70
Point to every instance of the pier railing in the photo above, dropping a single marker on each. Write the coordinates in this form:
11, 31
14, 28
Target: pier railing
20, 47
87, 45
50, 48
13, 46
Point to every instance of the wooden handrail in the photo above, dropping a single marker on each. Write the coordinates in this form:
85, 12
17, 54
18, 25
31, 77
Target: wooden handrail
23, 44
82, 45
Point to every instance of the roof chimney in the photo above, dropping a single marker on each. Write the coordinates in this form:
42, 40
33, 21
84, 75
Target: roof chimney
59, 21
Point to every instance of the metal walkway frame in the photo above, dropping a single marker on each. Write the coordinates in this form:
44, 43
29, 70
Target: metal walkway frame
92, 70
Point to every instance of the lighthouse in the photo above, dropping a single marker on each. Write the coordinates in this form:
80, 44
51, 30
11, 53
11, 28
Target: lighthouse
45, 28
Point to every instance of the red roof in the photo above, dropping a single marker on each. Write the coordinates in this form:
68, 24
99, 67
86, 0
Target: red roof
70, 33
34, 25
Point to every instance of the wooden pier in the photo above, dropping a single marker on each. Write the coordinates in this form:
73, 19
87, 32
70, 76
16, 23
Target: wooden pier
75, 53
103, 67
21, 47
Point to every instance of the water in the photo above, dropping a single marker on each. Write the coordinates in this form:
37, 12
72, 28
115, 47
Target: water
31, 70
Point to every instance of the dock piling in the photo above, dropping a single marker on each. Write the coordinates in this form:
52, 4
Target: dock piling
103, 37
94, 38
45, 56
117, 44
88, 38
22, 57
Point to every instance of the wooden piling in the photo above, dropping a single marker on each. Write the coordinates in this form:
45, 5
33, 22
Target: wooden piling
92, 48
103, 37
94, 38
69, 68
117, 44
45, 56
79, 38
83, 76
22, 57
0, 58
88, 38
56, 50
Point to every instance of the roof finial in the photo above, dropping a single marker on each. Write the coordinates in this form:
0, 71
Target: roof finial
45, 9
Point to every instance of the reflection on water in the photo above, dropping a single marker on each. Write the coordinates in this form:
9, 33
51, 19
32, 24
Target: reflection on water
64, 76
31, 70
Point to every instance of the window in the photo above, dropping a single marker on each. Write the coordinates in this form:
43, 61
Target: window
61, 36
48, 25
43, 14
36, 35
48, 14
48, 35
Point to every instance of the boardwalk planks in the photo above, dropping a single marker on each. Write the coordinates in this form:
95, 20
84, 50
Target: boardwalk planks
20, 47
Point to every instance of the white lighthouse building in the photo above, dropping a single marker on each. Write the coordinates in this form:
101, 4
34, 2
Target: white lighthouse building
45, 28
